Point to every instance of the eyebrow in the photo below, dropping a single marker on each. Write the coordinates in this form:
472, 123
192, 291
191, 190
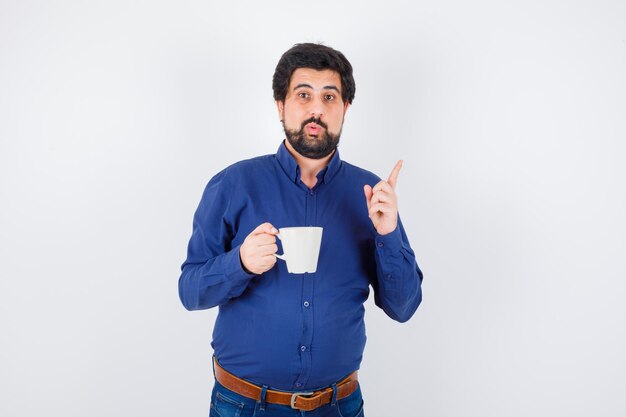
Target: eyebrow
326, 87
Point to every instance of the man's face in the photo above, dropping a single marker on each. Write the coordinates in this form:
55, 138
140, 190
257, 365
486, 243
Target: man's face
313, 112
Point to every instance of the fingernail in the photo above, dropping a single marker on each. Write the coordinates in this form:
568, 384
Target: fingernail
274, 230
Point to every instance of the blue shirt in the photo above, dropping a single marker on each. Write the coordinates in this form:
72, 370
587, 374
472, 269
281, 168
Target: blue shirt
294, 332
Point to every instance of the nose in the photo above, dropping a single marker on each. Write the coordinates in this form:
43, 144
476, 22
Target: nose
317, 108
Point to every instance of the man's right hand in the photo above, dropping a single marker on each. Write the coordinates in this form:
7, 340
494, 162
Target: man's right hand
258, 249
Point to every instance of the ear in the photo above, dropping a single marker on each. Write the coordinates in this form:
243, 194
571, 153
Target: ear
280, 106
345, 107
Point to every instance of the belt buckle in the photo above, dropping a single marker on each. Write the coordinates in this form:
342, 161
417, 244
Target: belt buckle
295, 396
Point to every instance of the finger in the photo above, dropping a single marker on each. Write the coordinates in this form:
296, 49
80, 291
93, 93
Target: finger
383, 186
381, 207
393, 177
263, 239
368, 194
268, 260
382, 197
265, 228
260, 257
267, 250
263, 264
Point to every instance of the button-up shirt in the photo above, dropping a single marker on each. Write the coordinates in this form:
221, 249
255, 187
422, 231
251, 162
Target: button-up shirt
294, 332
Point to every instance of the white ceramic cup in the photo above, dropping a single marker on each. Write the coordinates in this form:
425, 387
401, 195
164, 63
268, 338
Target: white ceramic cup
301, 248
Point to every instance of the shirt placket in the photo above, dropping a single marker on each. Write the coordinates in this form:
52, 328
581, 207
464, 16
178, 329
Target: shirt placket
307, 303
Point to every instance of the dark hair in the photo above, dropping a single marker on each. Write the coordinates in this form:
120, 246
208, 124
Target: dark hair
316, 56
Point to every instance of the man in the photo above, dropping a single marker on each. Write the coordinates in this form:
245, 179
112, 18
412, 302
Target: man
290, 344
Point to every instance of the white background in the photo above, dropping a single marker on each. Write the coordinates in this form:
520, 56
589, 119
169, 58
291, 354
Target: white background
510, 117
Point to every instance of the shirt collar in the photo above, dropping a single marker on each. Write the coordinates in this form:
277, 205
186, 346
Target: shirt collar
291, 168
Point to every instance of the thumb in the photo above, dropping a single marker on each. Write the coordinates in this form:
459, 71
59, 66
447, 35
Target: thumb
368, 194
265, 228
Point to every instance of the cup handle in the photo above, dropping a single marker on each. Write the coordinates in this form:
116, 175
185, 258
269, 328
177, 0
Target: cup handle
283, 257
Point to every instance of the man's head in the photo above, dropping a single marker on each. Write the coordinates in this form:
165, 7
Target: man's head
315, 56
313, 88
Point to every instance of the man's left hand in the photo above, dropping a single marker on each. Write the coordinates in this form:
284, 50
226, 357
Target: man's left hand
382, 202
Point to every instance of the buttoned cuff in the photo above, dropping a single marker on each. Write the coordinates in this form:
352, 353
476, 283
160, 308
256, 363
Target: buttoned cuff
389, 244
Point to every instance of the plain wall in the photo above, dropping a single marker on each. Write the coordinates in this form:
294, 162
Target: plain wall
510, 118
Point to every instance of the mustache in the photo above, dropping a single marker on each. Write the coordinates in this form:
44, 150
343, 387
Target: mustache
315, 120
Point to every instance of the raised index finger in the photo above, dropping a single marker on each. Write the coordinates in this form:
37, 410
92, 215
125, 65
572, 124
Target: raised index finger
393, 177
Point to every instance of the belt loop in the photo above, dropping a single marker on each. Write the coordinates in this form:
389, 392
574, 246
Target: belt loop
262, 399
333, 401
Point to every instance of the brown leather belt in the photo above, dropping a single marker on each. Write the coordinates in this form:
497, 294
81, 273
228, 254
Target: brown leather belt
305, 401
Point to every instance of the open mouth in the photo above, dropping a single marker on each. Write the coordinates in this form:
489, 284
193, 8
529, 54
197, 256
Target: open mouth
313, 129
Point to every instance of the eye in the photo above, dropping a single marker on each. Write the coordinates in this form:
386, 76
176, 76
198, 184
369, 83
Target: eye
303, 94
329, 97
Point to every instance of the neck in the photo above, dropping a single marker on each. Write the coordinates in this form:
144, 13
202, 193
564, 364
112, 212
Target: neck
309, 168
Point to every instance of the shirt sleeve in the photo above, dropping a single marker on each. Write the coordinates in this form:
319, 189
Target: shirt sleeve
212, 274
398, 287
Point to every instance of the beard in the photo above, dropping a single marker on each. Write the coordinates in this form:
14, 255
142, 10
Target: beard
312, 147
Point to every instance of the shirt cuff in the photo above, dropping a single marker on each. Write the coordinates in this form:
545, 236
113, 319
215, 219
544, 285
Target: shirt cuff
233, 268
390, 243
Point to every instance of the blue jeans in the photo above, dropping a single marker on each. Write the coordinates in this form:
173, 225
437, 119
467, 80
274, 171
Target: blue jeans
225, 403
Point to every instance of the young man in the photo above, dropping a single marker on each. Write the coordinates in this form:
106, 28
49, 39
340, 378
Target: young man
285, 342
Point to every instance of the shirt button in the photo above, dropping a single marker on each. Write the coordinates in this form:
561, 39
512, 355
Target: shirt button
306, 304
298, 384
381, 244
303, 348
